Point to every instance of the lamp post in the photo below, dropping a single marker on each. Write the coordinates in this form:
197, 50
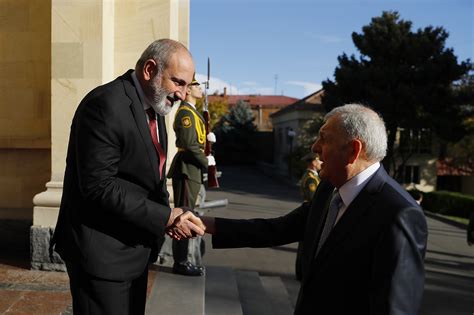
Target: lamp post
290, 135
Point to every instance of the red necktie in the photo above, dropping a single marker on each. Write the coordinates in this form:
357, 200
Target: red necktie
154, 136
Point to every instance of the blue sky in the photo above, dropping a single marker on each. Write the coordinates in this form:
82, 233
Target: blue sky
251, 41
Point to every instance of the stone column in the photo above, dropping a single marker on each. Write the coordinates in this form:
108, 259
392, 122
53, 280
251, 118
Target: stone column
93, 41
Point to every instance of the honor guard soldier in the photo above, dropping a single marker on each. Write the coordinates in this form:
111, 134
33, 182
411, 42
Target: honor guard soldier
187, 168
310, 178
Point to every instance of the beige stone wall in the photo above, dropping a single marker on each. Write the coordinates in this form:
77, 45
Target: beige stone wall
93, 42
51, 54
25, 116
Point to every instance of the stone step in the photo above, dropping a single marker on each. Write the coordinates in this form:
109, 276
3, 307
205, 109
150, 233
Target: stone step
176, 294
278, 295
293, 288
222, 294
253, 298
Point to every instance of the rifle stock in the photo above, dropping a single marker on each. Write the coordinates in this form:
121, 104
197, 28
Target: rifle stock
212, 181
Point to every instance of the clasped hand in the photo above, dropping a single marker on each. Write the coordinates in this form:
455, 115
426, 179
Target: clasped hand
184, 224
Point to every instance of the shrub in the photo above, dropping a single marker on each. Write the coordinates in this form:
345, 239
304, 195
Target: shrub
448, 203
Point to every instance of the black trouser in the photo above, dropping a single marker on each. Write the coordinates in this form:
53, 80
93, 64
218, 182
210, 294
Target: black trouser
185, 195
92, 295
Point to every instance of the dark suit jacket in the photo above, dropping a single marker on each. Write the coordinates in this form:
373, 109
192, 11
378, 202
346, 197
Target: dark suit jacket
114, 206
371, 263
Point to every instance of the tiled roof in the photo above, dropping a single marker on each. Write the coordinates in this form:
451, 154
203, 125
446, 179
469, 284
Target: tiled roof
310, 102
448, 167
255, 100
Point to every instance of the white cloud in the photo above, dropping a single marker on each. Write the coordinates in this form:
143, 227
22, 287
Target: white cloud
247, 87
216, 84
309, 87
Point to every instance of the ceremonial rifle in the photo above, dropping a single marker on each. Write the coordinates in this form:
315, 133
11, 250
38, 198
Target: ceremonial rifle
211, 171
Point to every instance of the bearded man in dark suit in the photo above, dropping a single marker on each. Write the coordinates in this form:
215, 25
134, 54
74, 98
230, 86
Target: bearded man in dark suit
364, 236
115, 207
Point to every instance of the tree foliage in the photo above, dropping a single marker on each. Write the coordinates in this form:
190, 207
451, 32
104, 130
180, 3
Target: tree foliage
235, 135
217, 109
462, 152
405, 75
308, 133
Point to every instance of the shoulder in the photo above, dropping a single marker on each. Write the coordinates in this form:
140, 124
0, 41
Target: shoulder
109, 94
396, 195
184, 110
393, 206
184, 116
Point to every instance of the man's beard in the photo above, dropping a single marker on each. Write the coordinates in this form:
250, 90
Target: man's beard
158, 102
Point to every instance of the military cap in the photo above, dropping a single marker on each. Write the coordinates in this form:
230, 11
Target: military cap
309, 157
194, 81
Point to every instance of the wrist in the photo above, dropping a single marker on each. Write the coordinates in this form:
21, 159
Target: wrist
209, 222
175, 212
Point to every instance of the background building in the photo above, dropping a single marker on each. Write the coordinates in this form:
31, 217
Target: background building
287, 123
262, 106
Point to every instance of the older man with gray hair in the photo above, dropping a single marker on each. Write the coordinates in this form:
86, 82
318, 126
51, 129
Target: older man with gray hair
364, 236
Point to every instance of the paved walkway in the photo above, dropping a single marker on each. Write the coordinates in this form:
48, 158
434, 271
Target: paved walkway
449, 262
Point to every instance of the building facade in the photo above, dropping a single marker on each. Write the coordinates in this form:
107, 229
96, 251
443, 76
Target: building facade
52, 53
287, 124
262, 106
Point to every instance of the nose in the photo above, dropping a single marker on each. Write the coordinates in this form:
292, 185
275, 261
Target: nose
180, 94
316, 148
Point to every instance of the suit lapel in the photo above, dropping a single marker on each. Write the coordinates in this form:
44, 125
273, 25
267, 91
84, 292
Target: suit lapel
363, 202
140, 120
317, 215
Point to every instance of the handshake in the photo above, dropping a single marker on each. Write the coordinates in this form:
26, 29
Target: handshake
183, 224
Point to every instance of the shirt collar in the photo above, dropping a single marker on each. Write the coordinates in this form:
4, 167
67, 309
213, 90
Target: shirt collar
353, 187
141, 94
190, 104
315, 172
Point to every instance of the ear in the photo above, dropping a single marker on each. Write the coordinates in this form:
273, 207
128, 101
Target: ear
149, 69
355, 150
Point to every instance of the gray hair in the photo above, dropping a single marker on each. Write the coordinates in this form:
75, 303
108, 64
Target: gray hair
361, 122
161, 51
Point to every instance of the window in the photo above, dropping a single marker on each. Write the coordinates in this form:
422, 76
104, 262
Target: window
411, 174
415, 140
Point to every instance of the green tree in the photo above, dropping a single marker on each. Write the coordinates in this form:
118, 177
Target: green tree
461, 153
308, 133
304, 141
235, 135
407, 76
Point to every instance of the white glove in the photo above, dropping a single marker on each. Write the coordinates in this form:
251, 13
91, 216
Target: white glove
211, 137
211, 160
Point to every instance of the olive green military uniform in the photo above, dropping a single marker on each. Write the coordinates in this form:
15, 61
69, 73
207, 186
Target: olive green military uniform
188, 164
309, 182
